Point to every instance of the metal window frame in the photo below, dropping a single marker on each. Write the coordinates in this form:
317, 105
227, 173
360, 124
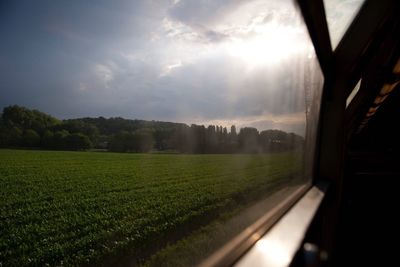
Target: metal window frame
280, 245
232, 251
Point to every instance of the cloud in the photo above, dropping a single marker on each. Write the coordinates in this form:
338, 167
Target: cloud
191, 33
104, 73
168, 68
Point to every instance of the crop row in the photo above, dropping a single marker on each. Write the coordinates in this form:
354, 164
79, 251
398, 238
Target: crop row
74, 208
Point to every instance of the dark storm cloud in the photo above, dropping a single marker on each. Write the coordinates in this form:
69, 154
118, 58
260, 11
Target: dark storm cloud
164, 60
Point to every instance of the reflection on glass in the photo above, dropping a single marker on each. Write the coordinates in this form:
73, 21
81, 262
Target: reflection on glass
227, 95
353, 93
340, 14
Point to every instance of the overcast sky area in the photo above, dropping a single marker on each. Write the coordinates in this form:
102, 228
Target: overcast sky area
222, 62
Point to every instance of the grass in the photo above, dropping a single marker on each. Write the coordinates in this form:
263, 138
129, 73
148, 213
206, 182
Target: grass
88, 208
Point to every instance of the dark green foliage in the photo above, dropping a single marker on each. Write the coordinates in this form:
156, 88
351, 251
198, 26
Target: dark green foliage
79, 126
248, 140
10, 136
78, 141
141, 136
276, 141
20, 126
141, 140
121, 135
30, 138
144, 139
47, 140
75, 208
60, 139
113, 126
24, 118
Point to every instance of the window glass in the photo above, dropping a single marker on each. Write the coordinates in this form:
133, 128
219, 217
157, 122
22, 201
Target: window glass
340, 14
149, 132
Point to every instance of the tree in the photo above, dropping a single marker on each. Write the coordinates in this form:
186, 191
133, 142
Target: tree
21, 126
25, 119
10, 136
79, 126
60, 139
248, 140
233, 138
144, 139
31, 138
78, 141
48, 139
211, 139
118, 141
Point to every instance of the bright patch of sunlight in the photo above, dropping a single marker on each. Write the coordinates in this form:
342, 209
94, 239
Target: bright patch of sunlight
270, 45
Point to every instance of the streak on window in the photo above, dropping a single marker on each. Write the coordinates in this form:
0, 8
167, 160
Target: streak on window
340, 14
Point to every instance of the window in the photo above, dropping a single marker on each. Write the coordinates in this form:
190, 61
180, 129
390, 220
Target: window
150, 132
340, 14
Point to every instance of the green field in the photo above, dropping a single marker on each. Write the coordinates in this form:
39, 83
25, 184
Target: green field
90, 208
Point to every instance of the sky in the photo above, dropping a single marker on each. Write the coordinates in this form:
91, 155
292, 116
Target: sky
242, 62
340, 14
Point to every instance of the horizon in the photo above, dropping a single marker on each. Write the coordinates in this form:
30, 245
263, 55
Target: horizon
228, 127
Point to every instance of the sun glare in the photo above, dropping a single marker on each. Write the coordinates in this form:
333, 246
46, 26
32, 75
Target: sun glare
268, 46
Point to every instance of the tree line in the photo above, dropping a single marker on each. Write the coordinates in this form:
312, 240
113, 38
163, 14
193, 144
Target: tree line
22, 127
